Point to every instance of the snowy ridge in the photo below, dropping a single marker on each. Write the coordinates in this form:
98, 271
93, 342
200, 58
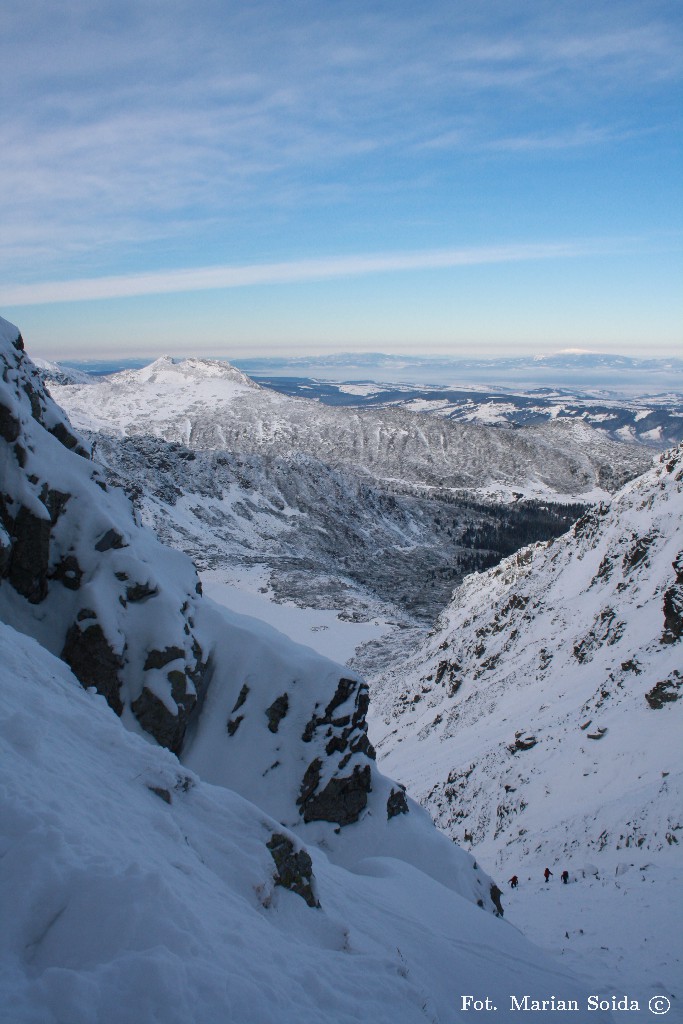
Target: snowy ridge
202, 404
541, 723
562, 665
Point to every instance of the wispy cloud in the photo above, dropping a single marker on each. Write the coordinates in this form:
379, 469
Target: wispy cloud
129, 125
296, 271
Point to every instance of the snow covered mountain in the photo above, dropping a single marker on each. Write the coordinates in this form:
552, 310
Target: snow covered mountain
209, 405
271, 874
541, 721
559, 663
325, 537
652, 419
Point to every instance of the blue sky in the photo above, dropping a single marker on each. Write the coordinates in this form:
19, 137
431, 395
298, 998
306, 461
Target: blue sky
274, 177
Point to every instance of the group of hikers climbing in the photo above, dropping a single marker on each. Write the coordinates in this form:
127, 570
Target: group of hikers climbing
547, 874
513, 882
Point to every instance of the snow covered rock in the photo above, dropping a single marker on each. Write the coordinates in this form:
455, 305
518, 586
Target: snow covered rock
542, 715
80, 574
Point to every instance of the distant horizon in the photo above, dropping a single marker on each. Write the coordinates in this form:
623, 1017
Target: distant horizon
371, 357
578, 371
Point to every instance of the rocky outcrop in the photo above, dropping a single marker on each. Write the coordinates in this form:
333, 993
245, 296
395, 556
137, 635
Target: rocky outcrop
347, 732
75, 565
294, 868
673, 604
68, 572
277, 711
92, 660
665, 692
340, 801
343, 730
397, 803
159, 659
29, 560
165, 707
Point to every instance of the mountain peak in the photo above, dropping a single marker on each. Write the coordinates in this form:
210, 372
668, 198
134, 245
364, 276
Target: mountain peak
169, 370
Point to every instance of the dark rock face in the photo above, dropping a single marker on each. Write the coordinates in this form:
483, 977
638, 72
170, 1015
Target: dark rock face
234, 724
56, 518
294, 868
10, 427
397, 803
673, 614
523, 741
91, 659
140, 592
342, 799
496, 894
54, 501
66, 438
187, 688
163, 794
28, 563
345, 731
159, 659
167, 727
665, 692
277, 711
241, 699
111, 539
310, 782
68, 572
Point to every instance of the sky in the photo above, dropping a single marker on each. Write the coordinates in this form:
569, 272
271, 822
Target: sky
266, 178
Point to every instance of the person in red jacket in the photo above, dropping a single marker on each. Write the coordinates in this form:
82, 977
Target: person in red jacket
547, 873
514, 882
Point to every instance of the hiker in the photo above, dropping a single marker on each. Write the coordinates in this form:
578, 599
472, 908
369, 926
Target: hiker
514, 882
496, 893
565, 876
547, 873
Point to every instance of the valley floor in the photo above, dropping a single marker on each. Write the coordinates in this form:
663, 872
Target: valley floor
361, 641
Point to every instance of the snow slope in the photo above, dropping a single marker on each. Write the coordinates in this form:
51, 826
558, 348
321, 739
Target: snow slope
120, 906
541, 721
206, 404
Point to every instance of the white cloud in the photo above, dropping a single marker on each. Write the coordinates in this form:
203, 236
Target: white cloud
295, 271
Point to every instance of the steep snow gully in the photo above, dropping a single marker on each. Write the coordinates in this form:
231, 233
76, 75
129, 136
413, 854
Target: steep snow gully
193, 826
